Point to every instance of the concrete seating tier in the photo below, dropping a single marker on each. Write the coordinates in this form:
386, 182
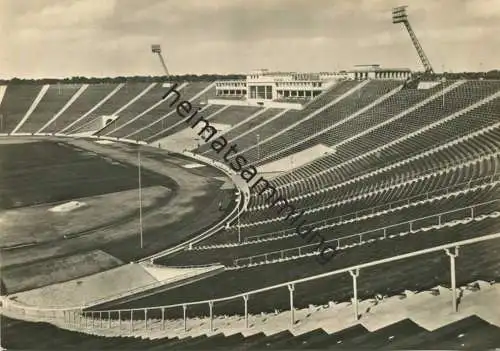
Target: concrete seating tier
240, 128
293, 116
16, 102
484, 144
403, 334
118, 104
418, 273
359, 210
319, 123
459, 171
235, 114
86, 108
150, 95
54, 100
152, 121
338, 167
338, 228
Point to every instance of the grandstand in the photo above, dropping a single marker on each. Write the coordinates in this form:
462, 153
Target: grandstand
400, 178
384, 191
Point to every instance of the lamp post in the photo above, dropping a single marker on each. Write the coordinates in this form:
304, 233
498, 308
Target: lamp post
140, 196
258, 146
238, 200
156, 49
399, 15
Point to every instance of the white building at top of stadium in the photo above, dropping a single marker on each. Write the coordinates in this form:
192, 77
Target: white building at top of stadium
288, 86
265, 85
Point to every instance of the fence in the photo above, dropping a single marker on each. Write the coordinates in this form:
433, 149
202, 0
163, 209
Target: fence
88, 320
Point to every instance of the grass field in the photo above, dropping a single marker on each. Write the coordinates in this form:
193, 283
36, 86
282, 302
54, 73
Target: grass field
35, 176
46, 172
56, 270
38, 224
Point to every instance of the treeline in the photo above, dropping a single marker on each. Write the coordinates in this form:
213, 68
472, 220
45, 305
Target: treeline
494, 74
121, 79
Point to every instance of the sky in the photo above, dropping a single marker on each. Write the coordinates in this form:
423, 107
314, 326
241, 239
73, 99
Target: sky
64, 38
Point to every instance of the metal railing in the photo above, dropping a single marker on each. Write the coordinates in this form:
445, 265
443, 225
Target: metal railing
380, 233
76, 318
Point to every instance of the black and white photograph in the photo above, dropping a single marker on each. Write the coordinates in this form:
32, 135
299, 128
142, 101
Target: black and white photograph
249, 175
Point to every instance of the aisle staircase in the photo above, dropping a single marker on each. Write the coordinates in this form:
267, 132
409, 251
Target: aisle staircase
412, 320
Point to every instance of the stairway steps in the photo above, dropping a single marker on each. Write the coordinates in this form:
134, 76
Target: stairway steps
251, 339
129, 344
300, 340
188, 342
193, 343
467, 332
104, 343
446, 332
227, 342
483, 337
384, 336
157, 344
215, 341
336, 338
169, 343
268, 341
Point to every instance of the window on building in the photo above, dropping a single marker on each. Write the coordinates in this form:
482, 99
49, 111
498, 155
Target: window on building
253, 92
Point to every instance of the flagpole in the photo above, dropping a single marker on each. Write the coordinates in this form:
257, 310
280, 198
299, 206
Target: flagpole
140, 196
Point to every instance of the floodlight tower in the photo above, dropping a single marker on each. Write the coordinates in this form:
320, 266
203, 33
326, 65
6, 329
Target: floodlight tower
156, 49
399, 16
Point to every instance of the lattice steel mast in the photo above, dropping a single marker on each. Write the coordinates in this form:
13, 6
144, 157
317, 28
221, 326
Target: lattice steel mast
155, 48
399, 16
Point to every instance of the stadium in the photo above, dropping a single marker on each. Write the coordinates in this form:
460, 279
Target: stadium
273, 210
